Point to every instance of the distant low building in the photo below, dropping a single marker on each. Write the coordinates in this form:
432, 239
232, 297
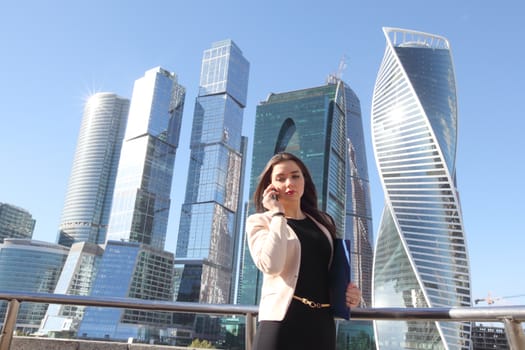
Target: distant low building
130, 270
76, 278
30, 266
15, 222
488, 337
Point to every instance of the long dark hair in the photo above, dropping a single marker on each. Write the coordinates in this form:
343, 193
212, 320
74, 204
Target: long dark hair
308, 200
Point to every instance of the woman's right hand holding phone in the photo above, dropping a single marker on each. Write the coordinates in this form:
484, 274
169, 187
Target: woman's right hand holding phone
271, 199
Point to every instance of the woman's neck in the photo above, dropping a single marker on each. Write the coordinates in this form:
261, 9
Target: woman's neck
294, 212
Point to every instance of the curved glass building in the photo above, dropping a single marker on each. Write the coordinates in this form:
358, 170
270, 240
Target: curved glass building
421, 256
89, 195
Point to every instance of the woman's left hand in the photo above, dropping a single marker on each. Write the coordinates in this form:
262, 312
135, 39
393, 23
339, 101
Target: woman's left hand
353, 295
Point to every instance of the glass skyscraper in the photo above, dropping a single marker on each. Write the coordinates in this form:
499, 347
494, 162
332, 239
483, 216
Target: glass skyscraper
85, 215
209, 223
141, 199
323, 126
421, 257
15, 222
134, 263
87, 206
29, 266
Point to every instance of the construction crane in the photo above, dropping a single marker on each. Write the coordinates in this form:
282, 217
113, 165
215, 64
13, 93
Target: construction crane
342, 67
491, 300
335, 77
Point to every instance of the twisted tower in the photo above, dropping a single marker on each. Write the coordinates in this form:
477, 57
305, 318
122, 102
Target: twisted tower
421, 256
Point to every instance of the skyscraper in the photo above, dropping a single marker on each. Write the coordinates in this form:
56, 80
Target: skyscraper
209, 217
358, 220
87, 205
15, 222
323, 126
141, 200
134, 263
421, 257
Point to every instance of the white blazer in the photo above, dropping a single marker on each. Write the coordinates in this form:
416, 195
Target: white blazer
276, 251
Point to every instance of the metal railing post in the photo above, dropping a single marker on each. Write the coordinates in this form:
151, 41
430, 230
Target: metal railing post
9, 324
515, 335
512, 316
250, 331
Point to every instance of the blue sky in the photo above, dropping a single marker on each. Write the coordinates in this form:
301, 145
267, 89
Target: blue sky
54, 54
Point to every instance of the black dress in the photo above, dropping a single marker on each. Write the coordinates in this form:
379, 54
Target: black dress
304, 328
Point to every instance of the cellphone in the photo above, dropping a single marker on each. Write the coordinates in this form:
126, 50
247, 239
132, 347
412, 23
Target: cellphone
275, 196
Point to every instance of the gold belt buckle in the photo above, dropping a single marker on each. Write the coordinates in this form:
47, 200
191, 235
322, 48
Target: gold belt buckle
311, 303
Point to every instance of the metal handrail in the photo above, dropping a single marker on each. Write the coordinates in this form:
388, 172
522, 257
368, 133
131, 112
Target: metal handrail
511, 316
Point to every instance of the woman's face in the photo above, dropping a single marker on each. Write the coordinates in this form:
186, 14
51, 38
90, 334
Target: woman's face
288, 181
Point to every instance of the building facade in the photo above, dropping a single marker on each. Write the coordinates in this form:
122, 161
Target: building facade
15, 222
421, 257
76, 278
134, 263
87, 205
85, 216
209, 221
141, 200
322, 126
29, 266
489, 337
130, 270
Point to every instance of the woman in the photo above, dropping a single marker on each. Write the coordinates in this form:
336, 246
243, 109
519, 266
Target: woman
291, 242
